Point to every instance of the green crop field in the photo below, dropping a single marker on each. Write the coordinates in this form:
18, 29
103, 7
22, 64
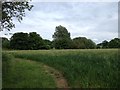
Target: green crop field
82, 68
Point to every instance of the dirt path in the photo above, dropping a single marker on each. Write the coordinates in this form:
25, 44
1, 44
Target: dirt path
59, 79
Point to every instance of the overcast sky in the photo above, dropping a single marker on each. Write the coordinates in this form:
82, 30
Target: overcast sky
95, 20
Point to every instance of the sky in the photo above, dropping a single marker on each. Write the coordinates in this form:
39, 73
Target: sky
97, 21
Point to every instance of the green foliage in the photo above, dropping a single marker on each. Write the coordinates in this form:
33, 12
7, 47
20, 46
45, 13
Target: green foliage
90, 44
105, 44
61, 38
19, 41
35, 41
5, 43
47, 44
83, 43
12, 10
114, 43
82, 68
25, 41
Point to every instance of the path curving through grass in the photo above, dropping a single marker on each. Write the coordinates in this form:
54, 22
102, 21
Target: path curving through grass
25, 73
89, 68
57, 75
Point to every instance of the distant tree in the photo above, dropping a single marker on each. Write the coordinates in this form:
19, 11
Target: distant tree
47, 44
5, 43
83, 43
79, 42
12, 10
105, 44
25, 41
19, 41
99, 45
35, 41
90, 44
114, 43
61, 38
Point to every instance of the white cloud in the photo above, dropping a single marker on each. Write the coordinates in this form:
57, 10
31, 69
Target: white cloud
95, 20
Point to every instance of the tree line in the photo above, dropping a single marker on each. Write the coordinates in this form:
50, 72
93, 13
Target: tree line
114, 43
61, 40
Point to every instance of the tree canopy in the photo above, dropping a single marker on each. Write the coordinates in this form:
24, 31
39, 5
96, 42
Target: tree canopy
12, 10
19, 41
35, 41
25, 41
5, 43
83, 43
114, 43
61, 38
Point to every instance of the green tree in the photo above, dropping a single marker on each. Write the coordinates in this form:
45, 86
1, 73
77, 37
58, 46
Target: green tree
35, 41
83, 43
61, 38
90, 44
5, 43
99, 45
114, 43
105, 44
47, 44
25, 41
19, 41
12, 10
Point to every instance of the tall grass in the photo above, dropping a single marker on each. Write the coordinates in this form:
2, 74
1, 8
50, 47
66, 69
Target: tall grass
82, 68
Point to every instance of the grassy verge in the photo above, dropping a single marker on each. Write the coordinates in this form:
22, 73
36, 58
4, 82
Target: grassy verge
19, 73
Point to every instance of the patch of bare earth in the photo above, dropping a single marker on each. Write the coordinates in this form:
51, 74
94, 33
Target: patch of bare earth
59, 79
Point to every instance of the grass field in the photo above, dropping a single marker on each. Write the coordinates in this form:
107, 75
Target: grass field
85, 68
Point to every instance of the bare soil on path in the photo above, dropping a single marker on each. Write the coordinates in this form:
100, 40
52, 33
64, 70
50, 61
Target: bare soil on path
58, 77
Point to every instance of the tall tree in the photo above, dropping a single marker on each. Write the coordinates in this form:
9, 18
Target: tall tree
61, 38
12, 10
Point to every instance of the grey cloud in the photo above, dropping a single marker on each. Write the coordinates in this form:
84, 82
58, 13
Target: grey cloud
89, 19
